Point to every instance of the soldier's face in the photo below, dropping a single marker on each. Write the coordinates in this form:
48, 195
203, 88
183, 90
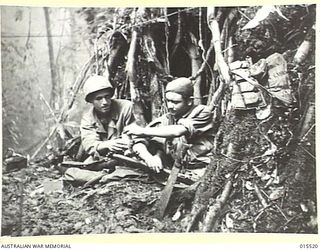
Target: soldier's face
101, 101
177, 105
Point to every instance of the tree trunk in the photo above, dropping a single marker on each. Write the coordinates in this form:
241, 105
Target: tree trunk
195, 57
132, 76
118, 49
155, 94
209, 186
215, 31
54, 99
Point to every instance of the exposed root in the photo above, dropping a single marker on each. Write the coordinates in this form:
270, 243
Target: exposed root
215, 209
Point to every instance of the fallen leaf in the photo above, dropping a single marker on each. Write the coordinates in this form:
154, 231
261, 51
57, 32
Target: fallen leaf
78, 225
313, 221
229, 221
271, 151
277, 193
38, 190
227, 175
258, 172
304, 207
176, 216
249, 185
224, 228
312, 206
265, 177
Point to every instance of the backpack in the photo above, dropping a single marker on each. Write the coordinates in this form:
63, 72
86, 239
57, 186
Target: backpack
245, 95
247, 92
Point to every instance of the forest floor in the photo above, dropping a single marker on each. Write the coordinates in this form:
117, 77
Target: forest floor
36, 201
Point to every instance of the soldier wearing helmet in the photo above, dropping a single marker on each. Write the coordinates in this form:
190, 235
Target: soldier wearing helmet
101, 127
193, 123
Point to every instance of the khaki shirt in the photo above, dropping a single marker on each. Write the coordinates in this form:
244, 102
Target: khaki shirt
94, 130
200, 136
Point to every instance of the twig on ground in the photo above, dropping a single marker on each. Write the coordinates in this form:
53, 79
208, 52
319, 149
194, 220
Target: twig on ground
259, 195
273, 203
305, 150
262, 210
280, 210
289, 221
236, 160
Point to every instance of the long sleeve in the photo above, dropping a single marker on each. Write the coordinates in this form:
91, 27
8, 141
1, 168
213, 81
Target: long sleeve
90, 134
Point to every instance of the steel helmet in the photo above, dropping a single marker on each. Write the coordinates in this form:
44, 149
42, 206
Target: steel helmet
96, 83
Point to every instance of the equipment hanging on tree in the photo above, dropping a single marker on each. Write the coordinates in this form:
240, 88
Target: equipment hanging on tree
248, 93
245, 95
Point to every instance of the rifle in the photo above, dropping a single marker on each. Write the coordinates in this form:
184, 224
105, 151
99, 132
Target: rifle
131, 162
128, 161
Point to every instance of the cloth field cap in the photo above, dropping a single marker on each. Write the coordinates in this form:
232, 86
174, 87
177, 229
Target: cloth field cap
95, 83
182, 86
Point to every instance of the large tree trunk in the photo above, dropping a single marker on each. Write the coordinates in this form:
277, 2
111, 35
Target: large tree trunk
118, 49
54, 99
154, 67
213, 178
132, 76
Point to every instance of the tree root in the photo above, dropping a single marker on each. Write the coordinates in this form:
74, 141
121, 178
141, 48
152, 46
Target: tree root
195, 219
215, 209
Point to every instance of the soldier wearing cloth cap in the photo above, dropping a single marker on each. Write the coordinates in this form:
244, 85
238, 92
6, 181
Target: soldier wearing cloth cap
193, 123
102, 126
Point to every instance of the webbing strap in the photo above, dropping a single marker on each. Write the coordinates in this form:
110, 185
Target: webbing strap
258, 85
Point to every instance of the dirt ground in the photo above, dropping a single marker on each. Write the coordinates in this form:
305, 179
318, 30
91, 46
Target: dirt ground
35, 201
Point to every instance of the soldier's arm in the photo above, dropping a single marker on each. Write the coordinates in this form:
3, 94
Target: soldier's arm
168, 131
93, 144
153, 161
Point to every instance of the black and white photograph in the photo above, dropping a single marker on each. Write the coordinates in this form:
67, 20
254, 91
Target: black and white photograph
158, 120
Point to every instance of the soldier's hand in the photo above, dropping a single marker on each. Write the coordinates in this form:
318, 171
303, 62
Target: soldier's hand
154, 162
116, 145
134, 129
